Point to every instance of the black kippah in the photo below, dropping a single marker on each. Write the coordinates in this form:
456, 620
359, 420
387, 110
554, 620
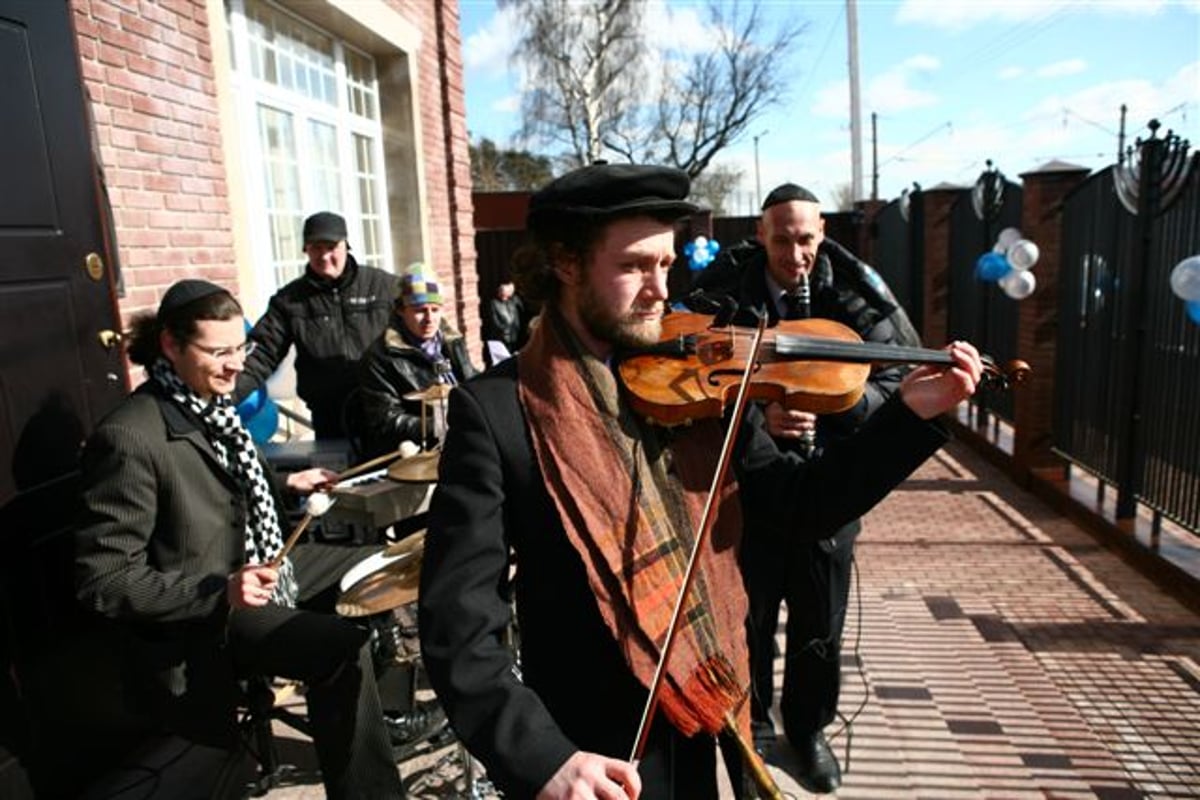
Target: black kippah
184, 292
787, 193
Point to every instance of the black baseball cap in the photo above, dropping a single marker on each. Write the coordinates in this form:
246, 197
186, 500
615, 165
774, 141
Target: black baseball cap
610, 191
325, 226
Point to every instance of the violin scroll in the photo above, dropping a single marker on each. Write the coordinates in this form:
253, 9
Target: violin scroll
1003, 377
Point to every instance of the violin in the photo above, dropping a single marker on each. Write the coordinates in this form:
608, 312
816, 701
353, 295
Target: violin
814, 365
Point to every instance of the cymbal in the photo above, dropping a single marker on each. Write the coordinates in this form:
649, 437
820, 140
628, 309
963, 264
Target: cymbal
391, 587
421, 468
414, 543
438, 391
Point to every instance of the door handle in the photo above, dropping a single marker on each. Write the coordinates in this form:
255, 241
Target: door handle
109, 339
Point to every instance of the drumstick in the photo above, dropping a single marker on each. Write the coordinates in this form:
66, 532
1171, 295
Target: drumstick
374, 462
291, 541
307, 518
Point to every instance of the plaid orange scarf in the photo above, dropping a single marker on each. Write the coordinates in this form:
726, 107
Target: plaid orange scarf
630, 504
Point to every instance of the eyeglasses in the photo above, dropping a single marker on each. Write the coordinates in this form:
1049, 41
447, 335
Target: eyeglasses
226, 353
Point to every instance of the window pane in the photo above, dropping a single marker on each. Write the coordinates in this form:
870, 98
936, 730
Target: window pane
294, 56
322, 164
281, 191
360, 85
366, 179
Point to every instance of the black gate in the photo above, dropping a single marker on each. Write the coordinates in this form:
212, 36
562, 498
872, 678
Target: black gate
894, 257
1129, 358
979, 311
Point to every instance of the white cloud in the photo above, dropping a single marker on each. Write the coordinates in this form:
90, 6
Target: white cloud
1058, 69
888, 93
1010, 73
487, 50
509, 104
676, 28
957, 15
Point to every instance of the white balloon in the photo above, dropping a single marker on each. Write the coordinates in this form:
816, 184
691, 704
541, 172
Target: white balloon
1007, 238
1185, 279
999, 248
1022, 254
1018, 284
701, 242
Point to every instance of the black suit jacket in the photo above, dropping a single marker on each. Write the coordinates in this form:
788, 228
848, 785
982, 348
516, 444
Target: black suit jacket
162, 528
574, 690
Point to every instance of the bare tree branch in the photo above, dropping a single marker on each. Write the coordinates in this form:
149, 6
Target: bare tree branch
592, 89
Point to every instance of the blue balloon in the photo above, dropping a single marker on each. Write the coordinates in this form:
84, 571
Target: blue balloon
1193, 310
991, 267
259, 415
700, 252
251, 404
262, 426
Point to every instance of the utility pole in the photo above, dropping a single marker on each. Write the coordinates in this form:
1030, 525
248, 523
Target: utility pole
757, 182
874, 158
856, 177
1121, 138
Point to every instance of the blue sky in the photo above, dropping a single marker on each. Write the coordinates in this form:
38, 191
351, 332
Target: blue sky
953, 82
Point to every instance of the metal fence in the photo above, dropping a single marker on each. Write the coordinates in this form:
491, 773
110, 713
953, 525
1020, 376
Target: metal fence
1128, 361
897, 256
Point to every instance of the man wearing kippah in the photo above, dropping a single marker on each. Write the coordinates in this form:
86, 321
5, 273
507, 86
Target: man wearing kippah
419, 348
331, 314
554, 494
180, 544
793, 272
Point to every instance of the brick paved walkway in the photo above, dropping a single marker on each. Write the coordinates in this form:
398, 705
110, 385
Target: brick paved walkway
1001, 651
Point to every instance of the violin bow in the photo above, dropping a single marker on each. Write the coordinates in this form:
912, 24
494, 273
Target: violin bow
704, 530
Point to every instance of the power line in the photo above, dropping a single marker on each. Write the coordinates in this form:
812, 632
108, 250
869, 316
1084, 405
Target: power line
897, 155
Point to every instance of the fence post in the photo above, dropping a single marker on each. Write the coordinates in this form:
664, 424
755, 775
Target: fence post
933, 212
1130, 443
1037, 320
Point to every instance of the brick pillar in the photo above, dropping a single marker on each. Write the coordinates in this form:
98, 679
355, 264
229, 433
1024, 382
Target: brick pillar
935, 239
1037, 320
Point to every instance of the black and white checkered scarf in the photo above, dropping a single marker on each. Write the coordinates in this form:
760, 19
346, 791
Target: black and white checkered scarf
237, 453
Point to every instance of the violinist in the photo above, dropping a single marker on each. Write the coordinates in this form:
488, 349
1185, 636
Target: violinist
794, 271
553, 492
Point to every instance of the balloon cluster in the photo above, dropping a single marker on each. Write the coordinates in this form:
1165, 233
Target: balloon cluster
1010, 264
700, 252
1185, 283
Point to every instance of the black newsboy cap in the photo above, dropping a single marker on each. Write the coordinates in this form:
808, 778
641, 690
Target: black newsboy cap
612, 190
186, 291
325, 226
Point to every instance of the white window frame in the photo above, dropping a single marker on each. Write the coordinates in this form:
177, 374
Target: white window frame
250, 93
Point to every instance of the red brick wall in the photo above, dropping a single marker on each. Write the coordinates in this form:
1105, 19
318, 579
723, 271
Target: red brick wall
447, 161
1037, 325
936, 290
148, 70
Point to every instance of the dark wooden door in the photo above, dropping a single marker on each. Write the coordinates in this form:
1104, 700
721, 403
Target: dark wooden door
56, 296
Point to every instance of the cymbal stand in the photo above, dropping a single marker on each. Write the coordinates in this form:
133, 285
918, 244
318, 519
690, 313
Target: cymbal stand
476, 788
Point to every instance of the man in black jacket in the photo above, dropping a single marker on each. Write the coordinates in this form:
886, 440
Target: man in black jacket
794, 272
178, 541
331, 314
417, 350
546, 465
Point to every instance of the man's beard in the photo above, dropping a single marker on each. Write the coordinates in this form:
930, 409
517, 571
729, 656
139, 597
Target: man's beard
619, 330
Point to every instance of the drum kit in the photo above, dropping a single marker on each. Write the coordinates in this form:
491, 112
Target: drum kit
389, 580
